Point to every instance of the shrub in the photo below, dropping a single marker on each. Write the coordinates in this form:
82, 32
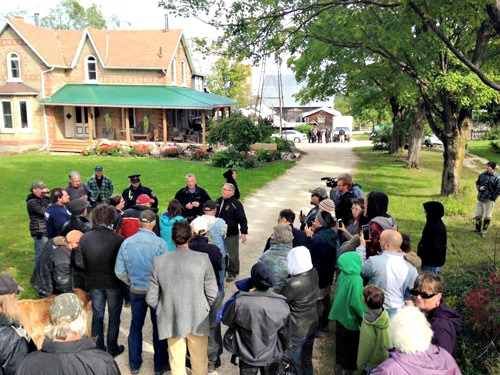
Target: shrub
264, 156
304, 128
140, 150
231, 158
283, 144
200, 154
236, 131
382, 139
170, 152
493, 133
495, 147
104, 149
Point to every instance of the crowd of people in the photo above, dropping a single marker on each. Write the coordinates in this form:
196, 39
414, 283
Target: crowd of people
176, 263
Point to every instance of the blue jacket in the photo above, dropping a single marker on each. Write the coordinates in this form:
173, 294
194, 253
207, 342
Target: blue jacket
134, 263
56, 216
166, 225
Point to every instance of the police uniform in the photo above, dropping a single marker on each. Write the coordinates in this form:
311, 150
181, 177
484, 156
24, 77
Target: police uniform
130, 195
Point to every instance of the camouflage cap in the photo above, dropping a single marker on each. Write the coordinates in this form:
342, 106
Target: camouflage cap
65, 309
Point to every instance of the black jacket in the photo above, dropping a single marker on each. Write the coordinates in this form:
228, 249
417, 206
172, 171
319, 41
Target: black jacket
343, 207
201, 245
261, 321
13, 346
53, 274
228, 175
130, 196
185, 197
432, 245
96, 257
323, 248
73, 357
76, 222
301, 292
233, 213
36, 211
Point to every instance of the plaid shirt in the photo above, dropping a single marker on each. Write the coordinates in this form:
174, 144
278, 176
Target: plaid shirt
105, 191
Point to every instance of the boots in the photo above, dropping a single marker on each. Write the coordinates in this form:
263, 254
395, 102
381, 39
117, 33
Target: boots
485, 226
478, 224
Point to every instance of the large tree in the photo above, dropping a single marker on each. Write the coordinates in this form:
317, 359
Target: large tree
230, 78
448, 49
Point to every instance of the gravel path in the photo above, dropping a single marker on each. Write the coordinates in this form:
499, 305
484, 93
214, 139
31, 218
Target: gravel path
291, 190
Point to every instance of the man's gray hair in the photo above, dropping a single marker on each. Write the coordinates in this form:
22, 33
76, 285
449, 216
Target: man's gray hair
73, 174
230, 186
190, 175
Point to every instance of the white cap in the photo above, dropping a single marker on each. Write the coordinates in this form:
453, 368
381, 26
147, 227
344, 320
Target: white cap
199, 226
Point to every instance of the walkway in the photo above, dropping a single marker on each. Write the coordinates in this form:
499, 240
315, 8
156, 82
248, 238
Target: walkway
291, 190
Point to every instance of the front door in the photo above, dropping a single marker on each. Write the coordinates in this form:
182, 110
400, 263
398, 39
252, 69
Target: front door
76, 122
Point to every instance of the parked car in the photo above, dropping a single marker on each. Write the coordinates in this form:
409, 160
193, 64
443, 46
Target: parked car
336, 137
292, 135
432, 140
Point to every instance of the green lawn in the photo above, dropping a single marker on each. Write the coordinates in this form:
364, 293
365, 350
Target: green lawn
484, 150
165, 177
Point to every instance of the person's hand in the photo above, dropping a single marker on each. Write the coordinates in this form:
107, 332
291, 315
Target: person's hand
243, 238
302, 217
189, 205
195, 204
308, 231
482, 188
84, 198
362, 241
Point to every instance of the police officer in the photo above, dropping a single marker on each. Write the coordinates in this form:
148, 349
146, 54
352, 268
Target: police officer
135, 189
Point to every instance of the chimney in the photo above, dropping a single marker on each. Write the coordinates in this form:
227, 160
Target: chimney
37, 19
166, 22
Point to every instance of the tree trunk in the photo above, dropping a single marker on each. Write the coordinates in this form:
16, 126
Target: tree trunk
456, 131
416, 132
397, 137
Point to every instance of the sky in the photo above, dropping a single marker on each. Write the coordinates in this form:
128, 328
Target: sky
133, 15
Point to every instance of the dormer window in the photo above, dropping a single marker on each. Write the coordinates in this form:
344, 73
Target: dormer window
90, 69
14, 66
174, 72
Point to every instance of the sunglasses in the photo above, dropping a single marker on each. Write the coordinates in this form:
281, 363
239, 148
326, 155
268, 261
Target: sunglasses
421, 294
134, 180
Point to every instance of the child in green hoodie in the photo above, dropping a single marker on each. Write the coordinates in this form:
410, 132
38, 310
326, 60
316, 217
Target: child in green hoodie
374, 335
348, 310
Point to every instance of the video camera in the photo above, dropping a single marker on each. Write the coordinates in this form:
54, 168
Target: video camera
331, 182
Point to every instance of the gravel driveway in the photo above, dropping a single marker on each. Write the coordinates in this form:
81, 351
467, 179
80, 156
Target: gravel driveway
291, 190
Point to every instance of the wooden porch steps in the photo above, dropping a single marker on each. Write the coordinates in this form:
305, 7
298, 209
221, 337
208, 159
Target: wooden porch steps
69, 145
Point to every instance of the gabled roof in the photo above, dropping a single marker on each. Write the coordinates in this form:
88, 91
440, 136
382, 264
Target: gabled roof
119, 49
331, 111
137, 97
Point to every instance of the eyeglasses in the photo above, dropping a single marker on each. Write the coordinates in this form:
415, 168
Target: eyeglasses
135, 180
421, 294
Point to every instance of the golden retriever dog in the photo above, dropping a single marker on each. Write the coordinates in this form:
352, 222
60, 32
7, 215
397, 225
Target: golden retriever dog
35, 314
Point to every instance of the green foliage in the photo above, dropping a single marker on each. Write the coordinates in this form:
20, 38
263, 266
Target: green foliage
283, 144
170, 152
230, 78
495, 147
236, 131
263, 156
71, 15
231, 158
200, 154
492, 134
265, 129
304, 128
382, 139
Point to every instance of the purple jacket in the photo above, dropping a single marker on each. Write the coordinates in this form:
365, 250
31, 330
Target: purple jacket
435, 361
446, 324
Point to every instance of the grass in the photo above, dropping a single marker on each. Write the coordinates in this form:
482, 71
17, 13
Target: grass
483, 149
361, 137
165, 177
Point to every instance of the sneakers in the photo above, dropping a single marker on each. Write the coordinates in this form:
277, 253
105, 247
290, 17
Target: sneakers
119, 350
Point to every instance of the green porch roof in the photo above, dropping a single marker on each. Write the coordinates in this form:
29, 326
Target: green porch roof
136, 96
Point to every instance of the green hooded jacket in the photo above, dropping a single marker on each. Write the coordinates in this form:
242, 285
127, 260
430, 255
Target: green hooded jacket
348, 307
374, 339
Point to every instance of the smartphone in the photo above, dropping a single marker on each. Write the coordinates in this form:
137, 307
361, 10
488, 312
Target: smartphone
366, 232
339, 223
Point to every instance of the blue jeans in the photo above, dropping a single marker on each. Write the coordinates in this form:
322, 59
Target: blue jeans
139, 309
39, 244
436, 270
115, 301
301, 352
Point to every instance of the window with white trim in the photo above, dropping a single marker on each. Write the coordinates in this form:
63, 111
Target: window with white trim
24, 116
14, 67
6, 123
90, 69
174, 72
183, 67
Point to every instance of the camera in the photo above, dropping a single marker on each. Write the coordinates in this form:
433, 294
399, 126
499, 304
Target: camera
366, 232
331, 182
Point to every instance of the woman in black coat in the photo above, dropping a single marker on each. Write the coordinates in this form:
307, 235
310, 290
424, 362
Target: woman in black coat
231, 175
432, 245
